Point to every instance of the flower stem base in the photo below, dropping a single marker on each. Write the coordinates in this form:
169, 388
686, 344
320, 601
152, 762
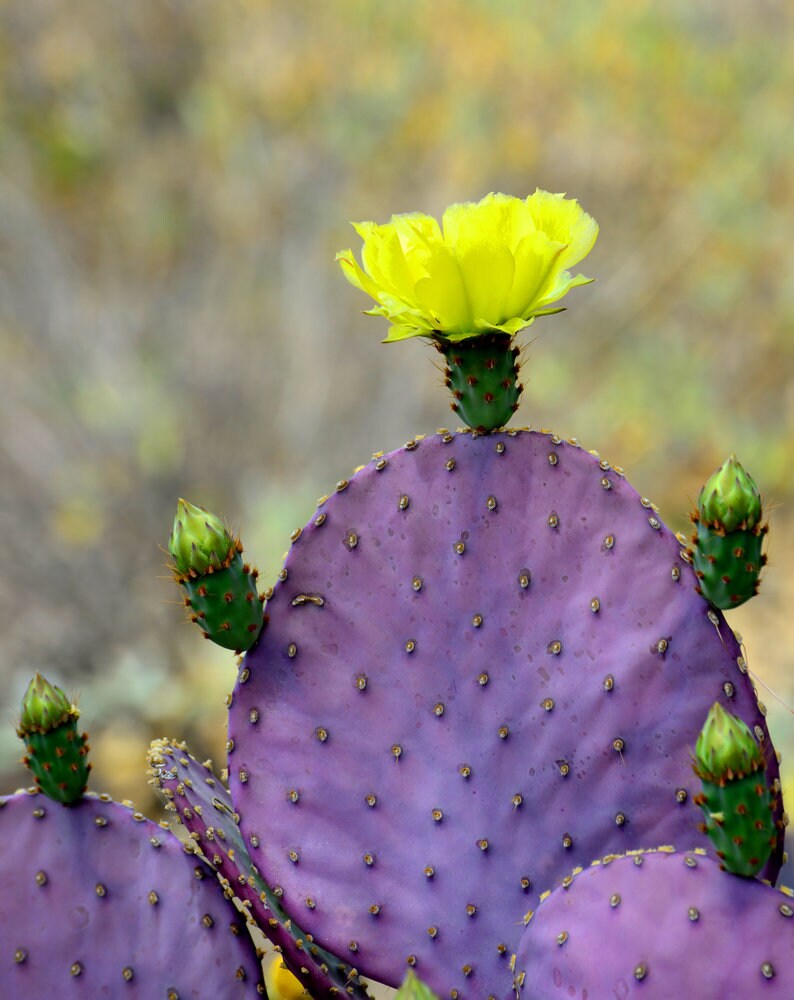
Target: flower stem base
482, 374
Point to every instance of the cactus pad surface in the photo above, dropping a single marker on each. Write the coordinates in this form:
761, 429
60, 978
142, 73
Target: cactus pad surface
656, 925
201, 802
99, 901
486, 663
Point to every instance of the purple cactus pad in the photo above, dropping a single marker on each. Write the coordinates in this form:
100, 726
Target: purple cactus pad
658, 924
201, 802
99, 901
486, 663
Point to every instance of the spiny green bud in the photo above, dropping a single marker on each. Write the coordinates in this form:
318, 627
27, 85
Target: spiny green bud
726, 748
730, 498
44, 707
57, 754
413, 989
199, 542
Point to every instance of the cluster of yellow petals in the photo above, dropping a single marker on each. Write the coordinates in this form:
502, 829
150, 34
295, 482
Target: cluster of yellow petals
493, 265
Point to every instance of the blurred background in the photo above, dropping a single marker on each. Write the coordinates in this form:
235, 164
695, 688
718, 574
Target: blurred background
175, 179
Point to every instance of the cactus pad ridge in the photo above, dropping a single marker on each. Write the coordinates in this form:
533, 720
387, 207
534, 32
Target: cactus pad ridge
103, 902
485, 663
201, 802
656, 924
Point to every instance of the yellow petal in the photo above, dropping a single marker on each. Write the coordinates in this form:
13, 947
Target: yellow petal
535, 260
563, 283
442, 293
280, 982
420, 237
497, 219
384, 260
356, 276
563, 220
488, 272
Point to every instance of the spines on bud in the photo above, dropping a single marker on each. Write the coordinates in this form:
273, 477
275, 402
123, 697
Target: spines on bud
56, 752
736, 800
221, 595
726, 547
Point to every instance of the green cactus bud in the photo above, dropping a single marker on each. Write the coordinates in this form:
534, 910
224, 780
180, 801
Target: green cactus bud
736, 801
56, 752
44, 707
221, 594
413, 989
726, 747
730, 498
199, 542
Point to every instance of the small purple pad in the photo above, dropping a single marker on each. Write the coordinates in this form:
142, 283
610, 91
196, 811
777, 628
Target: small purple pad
99, 901
505, 607
674, 925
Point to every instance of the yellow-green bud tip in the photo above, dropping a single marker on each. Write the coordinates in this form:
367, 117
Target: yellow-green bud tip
413, 989
730, 498
44, 707
726, 747
199, 541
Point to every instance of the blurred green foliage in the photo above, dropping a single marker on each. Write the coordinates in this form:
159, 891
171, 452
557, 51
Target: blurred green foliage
176, 177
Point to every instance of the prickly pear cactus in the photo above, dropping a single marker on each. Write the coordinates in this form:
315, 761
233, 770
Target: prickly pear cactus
99, 901
200, 801
485, 663
726, 546
658, 924
221, 595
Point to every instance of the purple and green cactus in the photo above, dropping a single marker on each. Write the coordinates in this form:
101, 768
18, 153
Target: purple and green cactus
97, 900
485, 662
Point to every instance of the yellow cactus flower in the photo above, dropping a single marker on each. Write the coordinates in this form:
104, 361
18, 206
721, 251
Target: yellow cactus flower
491, 266
280, 982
